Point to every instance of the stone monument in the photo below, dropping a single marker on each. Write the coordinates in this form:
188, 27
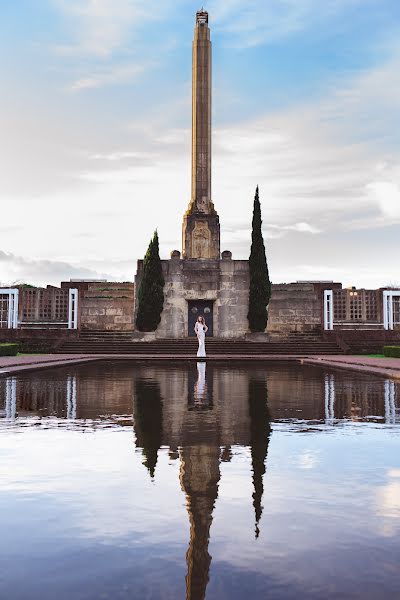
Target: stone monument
202, 281
200, 231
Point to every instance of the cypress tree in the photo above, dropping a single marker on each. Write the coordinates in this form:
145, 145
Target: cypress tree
260, 285
151, 290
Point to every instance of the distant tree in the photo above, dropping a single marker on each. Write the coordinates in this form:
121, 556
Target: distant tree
392, 285
151, 290
260, 285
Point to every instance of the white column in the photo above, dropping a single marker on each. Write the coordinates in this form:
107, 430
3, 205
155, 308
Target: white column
328, 310
12, 308
15, 309
73, 309
385, 311
388, 308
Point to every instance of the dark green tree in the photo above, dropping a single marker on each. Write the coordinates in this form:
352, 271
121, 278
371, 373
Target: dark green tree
260, 285
151, 290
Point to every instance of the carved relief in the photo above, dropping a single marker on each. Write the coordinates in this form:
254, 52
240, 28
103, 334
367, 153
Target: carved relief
201, 239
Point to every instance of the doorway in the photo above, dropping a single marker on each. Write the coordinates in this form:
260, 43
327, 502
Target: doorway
197, 308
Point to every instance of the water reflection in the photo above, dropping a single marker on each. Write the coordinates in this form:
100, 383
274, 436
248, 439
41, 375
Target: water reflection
71, 397
329, 399
390, 402
108, 390
198, 413
205, 440
148, 421
201, 398
260, 431
10, 398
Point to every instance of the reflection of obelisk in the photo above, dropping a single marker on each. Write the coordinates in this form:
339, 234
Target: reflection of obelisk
200, 474
200, 232
199, 479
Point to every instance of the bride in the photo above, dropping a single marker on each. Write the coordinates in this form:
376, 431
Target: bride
201, 330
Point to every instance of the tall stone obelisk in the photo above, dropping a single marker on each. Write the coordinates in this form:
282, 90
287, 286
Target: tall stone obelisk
200, 231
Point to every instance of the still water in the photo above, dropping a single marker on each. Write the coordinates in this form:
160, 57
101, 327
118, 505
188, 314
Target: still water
137, 480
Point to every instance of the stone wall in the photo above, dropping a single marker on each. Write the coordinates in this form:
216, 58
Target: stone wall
363, 341
225, 282
296, 307
38, 340
107, 306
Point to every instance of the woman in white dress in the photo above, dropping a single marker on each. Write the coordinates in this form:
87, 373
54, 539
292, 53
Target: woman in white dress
201, 330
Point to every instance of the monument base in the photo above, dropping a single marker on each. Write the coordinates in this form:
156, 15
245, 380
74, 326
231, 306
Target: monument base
216, 288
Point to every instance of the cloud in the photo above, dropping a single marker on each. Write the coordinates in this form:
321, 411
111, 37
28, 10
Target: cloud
19, 269
332, 162
122, 155
100, 27
388, 502
308, 459
387, 196
116, 75
255, 22
299, 227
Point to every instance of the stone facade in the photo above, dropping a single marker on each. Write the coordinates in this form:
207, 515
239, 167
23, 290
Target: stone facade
107, 306
200, 234
225, 282
296, 307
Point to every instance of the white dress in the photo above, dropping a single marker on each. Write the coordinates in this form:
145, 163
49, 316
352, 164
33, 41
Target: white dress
201, 336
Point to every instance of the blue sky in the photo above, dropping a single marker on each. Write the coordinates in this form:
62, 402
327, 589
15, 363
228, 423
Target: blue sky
95, 149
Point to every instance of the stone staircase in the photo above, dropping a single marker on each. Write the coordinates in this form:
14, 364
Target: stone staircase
120, 342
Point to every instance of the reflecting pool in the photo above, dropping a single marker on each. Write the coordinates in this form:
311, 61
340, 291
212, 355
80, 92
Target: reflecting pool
221, 481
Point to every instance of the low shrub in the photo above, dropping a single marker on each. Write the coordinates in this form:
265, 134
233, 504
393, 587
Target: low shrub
9, 349
392, 351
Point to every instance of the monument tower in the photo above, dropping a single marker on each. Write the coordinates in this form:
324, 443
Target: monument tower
202, 280
200, 231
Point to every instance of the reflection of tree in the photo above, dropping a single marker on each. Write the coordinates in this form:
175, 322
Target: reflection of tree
260, 431
148, 421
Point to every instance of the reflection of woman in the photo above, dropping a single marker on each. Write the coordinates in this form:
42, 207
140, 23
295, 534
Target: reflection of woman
201, 330
200, 387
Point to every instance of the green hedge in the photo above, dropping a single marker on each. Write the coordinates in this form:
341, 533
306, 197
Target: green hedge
9, 349
391, 351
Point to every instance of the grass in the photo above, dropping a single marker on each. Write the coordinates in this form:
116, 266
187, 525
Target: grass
376, 356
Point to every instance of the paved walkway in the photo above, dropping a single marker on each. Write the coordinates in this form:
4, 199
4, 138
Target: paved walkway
15, 364
388, 367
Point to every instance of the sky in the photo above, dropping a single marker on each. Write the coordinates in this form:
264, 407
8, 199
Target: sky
95, 121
